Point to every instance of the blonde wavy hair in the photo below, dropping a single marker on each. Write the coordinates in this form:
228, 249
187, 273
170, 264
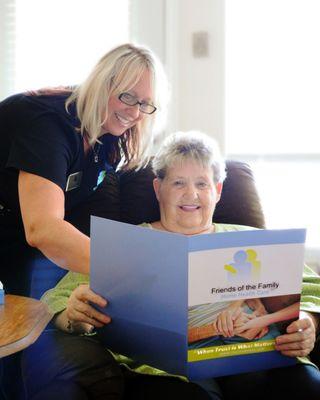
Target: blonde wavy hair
118, 71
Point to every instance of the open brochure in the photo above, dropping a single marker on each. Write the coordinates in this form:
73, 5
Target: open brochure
168, 294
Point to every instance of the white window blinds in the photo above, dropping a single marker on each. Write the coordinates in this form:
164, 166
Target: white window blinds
47, 43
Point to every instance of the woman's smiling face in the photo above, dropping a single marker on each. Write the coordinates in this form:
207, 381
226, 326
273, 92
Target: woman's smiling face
187, 198
122, 117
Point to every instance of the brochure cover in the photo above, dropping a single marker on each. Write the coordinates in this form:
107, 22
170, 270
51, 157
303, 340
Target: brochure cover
170, 296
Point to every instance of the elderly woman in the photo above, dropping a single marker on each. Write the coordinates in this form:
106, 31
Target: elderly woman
189, 174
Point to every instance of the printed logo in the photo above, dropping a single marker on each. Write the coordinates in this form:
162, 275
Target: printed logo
245, 265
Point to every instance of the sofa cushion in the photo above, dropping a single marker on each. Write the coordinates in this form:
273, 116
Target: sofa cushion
240, 202
138, 201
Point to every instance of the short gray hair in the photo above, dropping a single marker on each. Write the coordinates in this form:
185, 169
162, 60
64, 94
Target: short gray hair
191, 145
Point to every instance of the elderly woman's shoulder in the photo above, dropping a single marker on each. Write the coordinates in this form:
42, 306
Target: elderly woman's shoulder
232, 228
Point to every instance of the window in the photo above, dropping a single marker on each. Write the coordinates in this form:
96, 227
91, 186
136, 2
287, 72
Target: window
273, 102
57, 42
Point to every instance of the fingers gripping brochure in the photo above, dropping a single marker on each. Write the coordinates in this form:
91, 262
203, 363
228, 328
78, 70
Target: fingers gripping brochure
199, 306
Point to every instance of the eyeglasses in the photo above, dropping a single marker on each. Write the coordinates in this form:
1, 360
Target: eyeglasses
130, 100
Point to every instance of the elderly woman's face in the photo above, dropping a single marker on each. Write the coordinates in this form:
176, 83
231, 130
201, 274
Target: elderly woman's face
122, 117
187, 198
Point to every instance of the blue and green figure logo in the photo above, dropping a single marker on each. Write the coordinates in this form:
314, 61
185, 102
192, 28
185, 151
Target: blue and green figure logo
245, 265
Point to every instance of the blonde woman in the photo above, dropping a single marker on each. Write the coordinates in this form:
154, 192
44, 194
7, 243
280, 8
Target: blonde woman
54, 145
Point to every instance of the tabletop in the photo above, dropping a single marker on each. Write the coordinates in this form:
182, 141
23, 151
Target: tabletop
22, 319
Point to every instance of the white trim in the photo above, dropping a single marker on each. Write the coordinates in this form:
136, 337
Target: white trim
7, 47
172, 61
297, 157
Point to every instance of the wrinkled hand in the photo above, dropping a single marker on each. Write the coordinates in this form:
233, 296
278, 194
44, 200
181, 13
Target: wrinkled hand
300, 337
252, 333
79, 311
226, 318
257, 307
254, 323
242, 319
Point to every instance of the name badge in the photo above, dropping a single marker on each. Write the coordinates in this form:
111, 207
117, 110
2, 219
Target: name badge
74, 181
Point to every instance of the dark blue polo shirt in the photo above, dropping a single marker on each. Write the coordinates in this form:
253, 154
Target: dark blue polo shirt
38, 135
